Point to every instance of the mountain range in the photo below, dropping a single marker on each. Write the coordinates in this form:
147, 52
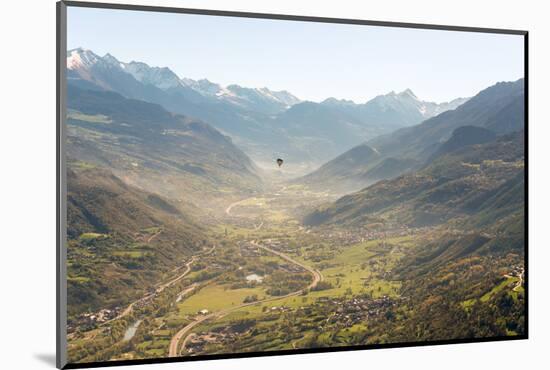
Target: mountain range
266, 124
430, 196
498, 110
477, 183
153, 149
395, 109
85, 65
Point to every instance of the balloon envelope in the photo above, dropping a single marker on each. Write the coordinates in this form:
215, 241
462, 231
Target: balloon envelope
279, 162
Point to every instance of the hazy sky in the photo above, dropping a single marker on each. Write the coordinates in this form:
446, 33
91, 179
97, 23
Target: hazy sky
314, 61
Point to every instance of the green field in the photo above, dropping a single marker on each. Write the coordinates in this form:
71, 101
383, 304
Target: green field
507, 282
93, 236
130, 253
95, 118
351, 270
215, 298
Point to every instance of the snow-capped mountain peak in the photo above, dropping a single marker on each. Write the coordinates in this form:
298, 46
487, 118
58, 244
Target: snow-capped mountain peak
408, 93
269, 99
282, 96
81, 58
80, 61
108, 58
408, 100
161, 77
208, 88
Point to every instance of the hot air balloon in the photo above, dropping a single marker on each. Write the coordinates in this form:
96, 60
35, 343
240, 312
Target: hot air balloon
279, 161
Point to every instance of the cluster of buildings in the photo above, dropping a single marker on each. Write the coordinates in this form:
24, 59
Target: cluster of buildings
343, 312
519, 272
349, 312
250, 250
197, 342
102, 315
221, 335
278, 245
90, 319
360, 235
279, 309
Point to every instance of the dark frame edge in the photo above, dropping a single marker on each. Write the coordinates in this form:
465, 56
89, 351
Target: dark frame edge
289, 17
303, 351
61, 251
526, 179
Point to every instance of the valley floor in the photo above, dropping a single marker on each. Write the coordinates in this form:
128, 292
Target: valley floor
269, 283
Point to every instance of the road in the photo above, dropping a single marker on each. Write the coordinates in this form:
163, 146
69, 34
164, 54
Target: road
317, 277
518, 284
228, 209
259, 226
183, 293
154, 236
160, 287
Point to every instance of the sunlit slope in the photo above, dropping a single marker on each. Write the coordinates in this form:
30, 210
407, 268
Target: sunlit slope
463, 183
154, 149
122, 240
498, 109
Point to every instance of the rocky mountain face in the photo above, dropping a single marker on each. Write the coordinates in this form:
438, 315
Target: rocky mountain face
266, 124
496, 110
395, 109
112, 74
